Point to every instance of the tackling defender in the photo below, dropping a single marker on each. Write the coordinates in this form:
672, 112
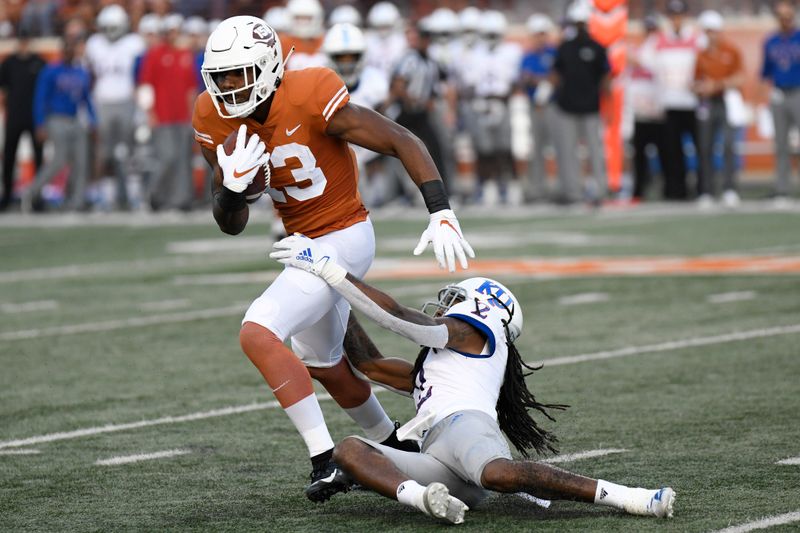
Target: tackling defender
305, 120
468, 385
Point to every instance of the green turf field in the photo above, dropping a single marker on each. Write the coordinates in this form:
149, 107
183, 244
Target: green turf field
112, 324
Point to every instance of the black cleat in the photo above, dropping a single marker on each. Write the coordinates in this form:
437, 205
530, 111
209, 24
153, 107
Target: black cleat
327, 481
402, 445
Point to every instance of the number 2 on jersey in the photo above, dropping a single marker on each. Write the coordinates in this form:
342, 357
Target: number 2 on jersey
309, 171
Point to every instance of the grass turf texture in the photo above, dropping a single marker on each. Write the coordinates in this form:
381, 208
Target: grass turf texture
710, 421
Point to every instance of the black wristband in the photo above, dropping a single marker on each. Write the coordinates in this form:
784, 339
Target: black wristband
230, 201
434, 195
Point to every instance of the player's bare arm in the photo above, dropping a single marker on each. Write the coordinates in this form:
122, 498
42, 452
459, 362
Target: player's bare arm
367, 128
362, 353
230, 222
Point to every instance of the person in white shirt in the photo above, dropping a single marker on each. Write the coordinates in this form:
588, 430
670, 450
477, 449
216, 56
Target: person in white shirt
386, 40
111, 54
468, 385
345, 45
671, 58
494, 75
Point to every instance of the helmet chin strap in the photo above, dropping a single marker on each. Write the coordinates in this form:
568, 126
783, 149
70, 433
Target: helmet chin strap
235, 110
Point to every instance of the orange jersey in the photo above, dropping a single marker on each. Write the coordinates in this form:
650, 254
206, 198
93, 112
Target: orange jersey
314, 183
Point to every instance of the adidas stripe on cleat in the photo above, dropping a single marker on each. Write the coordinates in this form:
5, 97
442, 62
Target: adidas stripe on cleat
439, 504
662, 502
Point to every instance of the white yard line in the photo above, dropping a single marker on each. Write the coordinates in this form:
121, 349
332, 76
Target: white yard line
728, 297
632, 350
673, 345
165, 305
111, 428
584, 298
28, 307
764, 523
789, 461
569, 457
110, 325
27, 451
127, 459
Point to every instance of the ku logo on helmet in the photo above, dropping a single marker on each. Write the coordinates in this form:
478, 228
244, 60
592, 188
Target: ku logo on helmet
496, 292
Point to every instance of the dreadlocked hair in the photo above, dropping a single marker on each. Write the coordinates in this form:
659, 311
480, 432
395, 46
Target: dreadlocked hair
418, 362
515, 399
513, 404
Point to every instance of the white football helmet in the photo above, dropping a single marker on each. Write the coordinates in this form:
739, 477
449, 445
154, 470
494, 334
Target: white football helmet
173, 22
195, 26
470, 20
444, 23
305, 18
277, 18
150, 24
345, 40
493, 292
243, 43
345, 14
113, 21
538, 23
384, 17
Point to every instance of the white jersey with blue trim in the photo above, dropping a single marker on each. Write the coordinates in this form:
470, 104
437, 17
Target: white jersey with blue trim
451, 380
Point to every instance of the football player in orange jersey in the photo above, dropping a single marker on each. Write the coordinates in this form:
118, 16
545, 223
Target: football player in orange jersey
301, 122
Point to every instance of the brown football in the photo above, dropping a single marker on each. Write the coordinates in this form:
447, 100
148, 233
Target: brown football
259, 184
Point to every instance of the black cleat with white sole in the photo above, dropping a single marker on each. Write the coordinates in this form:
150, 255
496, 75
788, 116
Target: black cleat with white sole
327, 481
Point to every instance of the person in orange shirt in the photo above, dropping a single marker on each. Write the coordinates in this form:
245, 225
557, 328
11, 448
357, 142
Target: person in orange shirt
717, 70
297, 125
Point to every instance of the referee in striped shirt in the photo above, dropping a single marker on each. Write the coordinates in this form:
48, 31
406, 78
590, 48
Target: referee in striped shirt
414, 82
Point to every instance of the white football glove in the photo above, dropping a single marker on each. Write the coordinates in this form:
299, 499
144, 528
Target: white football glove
239, 169
448, 242
299, 251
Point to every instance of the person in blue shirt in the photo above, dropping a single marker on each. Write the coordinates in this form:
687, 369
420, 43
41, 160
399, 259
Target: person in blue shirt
781, 75
535, 68
60, 101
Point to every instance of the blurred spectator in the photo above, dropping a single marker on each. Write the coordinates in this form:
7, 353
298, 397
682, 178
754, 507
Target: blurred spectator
61, 97
39, 18
644, 100
781, 74
169, 70
718, 70
196, 31
535, 68
446, 50
18, 74
345, 45
386, 40
496, 74
412, 91
672, 60
305, 34
111, 54
580, 73
345, 14
278, 19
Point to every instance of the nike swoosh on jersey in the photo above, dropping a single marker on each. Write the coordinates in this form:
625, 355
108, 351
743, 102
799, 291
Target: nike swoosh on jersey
237, 174
290, 132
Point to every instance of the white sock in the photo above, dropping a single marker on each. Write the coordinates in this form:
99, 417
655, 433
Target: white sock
306, 416
632, 500
410, 493
372, 418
